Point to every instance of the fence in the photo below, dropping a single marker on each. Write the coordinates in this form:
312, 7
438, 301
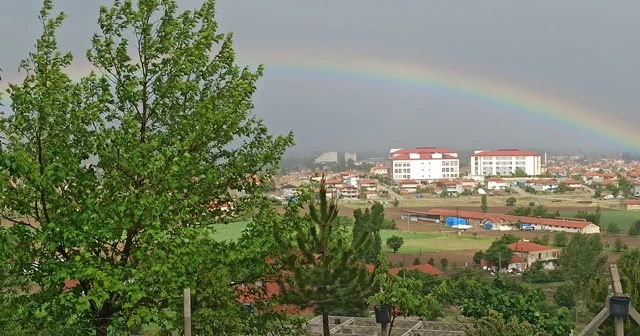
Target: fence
362, 326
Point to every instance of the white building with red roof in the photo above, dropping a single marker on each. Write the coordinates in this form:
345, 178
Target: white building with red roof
505, 162
423, 164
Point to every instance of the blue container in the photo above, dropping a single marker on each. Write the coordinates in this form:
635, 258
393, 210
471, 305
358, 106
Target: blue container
488, 225
455, 221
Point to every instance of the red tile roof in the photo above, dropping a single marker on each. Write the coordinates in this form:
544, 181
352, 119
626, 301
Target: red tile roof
576, 223
496, 179
632, 202
408, 182
528, 247
423, 156
516, 259
425, 150
505, 152
425, 268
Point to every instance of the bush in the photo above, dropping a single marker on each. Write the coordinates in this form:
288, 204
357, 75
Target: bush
561, 239
416, 261
431, 262
511, 201
619, 245
389, 224
394, 243
444, 262
544, 240
532, 204
613, 228
634, 230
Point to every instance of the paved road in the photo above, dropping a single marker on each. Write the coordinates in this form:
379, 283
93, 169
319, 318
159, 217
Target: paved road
392, 193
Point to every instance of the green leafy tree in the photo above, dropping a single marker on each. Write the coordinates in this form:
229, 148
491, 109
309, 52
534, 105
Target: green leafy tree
511, 201
477, 258
444, 262
560, 239
116, 180
417, 261
431, 262
582, 258
565, 295
483, 204
323, 265
562, 188
394, 243
520, 173
405, 294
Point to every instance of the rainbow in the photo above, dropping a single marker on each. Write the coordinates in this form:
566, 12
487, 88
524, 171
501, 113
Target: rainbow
456, 85
451, 84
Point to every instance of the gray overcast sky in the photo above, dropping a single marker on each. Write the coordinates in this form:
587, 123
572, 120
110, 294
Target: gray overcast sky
579, 51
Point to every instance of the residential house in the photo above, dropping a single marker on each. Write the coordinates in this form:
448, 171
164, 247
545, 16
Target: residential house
516, 263
452, 187
379, 170
532, 253
333, 184
496, 183
288, 190
370, 195
468, 184
632, 204
543, 185
368, 185
349, 192
571, 183
408, 185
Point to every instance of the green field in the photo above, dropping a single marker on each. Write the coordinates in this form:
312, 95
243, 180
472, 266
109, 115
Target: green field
414, 242
230, 231
624, 218
434, 242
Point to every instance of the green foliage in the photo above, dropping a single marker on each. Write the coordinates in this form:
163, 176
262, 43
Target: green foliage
394, 243
444, 262
590, 217
532, 204
325, 265
520, 173
565, 295
613, 228
536, 275
431, 262
538, 211
477, 298
634, 230
115, 180
483, 204
530, 190
619, 245
582, 258
477, 258
544, 240
370, 222
499, 252
562, 188
494, 324
405, 293
511, 201
417, 261
560, 239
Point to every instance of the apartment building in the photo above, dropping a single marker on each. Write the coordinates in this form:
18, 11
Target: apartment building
423, 164
327, 157
505, 162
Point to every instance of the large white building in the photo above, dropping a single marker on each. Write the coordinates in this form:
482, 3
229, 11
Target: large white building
423, 164
327, 157
505, 162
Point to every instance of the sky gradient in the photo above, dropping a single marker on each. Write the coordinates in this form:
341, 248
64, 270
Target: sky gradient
577, 52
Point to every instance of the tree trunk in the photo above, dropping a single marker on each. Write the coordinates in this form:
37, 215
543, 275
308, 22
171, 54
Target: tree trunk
101, 325
325, 325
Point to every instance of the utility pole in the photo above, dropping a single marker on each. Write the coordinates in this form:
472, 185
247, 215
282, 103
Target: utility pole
187, 312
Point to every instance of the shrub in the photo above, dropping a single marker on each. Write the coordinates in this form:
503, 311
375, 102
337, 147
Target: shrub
511, 201
416, 261
613, 228
431, 262
444, 262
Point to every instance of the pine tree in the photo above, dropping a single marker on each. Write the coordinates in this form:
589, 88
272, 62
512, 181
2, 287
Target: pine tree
322, 268
369, 221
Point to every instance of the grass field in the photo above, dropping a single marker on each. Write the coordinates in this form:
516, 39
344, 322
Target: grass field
623, 218
414, 242
435, 242
230, 231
